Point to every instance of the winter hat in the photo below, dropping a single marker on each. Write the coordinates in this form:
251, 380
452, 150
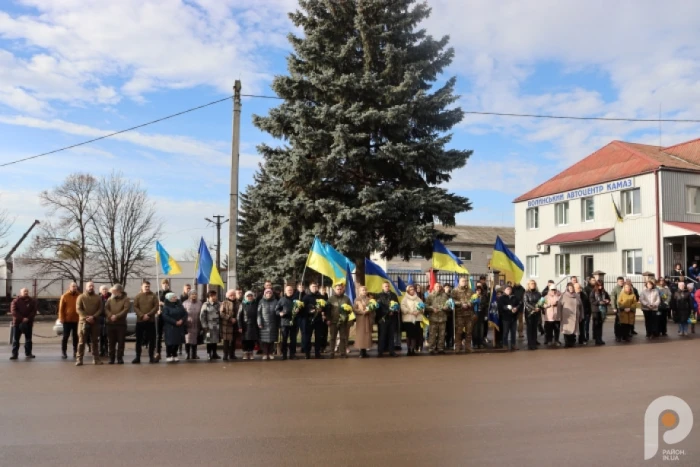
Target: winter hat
169, 296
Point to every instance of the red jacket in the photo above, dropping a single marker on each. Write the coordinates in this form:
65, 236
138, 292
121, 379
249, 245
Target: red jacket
22, 308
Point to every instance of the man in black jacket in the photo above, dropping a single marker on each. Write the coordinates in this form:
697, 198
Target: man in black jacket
508, 308
384, 318
315, 316
285, 309
519, 292
164, 290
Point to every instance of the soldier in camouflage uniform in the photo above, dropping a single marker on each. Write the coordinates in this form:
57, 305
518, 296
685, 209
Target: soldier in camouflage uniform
336, 326
464, 315
436, 305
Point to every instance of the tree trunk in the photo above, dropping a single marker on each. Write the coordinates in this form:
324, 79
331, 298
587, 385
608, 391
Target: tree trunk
359, 271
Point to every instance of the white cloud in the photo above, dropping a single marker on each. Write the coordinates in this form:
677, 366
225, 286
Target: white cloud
75, 47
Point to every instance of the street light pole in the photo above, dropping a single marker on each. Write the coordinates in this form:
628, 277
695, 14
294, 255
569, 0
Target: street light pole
232, 278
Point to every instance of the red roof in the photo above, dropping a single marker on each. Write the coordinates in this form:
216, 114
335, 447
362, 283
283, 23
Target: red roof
577, 237
616, 161
686, 226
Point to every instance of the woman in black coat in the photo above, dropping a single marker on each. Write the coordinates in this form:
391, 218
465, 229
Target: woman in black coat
248, 321
174, 319
585, 323
682, 307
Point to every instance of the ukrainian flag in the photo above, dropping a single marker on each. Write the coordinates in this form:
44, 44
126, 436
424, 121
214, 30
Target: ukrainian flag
617, 211
167, 264
338, 258
320, 261
445, 260
505, 261
375, 277
205, 269
402, 285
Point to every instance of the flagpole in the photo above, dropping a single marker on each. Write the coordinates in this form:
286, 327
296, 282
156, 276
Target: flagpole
158, 297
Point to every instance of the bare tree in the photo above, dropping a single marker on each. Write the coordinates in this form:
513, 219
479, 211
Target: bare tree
123, 232
5, 226
60, 248
191, 253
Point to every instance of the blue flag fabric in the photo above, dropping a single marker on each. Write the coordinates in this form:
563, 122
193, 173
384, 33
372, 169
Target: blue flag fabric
494, 319
401, 285
455, 281
410, 279
349, 285
338, 258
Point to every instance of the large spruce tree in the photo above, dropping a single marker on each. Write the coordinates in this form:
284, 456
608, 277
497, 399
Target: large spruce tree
365, 137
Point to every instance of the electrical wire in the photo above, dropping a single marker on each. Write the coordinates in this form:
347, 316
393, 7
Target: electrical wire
470, 112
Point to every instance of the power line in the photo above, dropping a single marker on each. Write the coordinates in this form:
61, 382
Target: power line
470, 112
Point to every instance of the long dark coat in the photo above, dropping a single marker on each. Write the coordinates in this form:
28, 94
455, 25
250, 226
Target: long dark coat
172, 313
248, 321
268, 320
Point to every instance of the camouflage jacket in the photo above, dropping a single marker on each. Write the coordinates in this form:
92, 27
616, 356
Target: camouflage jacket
462, 297
335, 302
436, 304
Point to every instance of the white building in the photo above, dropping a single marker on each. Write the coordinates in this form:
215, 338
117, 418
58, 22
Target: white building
568, 225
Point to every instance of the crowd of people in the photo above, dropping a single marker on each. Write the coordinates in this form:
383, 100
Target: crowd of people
270, 323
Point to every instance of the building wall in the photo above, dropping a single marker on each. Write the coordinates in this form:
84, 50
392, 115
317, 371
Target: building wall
674, 196
636, 232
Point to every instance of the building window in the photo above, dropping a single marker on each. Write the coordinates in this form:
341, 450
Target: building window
464, 255
532, 265
633, 262
563, 264
693, 199
631, 203
587, 210
533, 218
561, 212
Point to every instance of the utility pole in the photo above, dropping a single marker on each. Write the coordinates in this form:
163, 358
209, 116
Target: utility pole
232, 278
218, 225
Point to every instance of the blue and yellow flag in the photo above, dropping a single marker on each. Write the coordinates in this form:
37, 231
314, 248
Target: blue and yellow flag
165, 262
205, 269
401, 285
375, 277
320, 261
445, 260
338, 258
505, 261
617, 211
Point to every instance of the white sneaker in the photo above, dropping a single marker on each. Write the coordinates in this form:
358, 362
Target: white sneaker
272, 357
175, 359
169, 359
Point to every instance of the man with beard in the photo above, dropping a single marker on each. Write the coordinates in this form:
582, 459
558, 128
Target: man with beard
89, 308
23, 310
463, 315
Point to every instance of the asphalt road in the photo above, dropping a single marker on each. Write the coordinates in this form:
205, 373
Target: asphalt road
574, 407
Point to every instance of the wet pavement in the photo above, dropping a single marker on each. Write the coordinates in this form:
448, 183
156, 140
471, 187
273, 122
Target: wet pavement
572, 407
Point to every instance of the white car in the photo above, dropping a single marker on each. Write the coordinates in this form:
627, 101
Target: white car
130, 325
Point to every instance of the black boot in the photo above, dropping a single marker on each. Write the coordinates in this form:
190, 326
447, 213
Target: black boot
187, 349
226, 346
194, 352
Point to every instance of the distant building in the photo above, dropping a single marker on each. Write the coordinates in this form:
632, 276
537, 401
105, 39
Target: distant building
569, 226
472, 244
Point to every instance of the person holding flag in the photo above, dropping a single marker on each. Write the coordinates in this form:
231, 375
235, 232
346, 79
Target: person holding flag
167, 266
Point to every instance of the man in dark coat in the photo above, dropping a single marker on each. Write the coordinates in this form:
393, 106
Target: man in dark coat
384, 318
519, 292
23, 310
315, 317
285, 308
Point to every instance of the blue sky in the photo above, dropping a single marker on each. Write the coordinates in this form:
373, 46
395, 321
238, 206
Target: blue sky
72, 70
